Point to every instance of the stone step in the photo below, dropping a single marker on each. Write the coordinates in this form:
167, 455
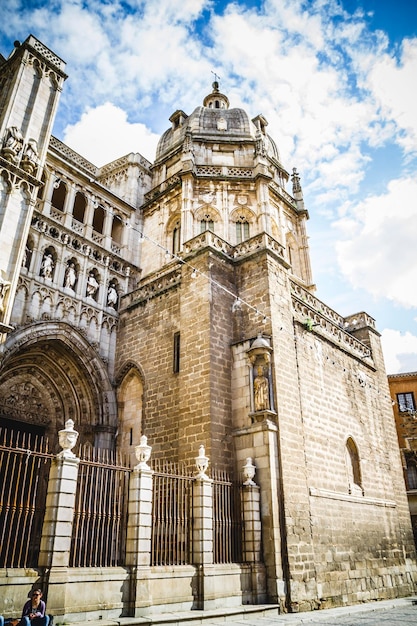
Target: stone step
246, 612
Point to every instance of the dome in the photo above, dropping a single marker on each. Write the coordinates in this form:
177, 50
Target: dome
215, 121
260, 342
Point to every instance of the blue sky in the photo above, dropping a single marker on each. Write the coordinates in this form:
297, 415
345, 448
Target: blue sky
336, 80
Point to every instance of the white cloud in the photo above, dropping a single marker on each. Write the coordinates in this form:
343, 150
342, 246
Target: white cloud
379, 251
331, 89
400, 351
104, 134
393, 85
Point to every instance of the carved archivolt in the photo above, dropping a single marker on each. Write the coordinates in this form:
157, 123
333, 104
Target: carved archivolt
126, 369
51, 373
207, 213
242, 214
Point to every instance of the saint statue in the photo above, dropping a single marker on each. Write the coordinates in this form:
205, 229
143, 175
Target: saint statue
47, 266
261, 390
112, 296
92, 285
4, 288
70, 276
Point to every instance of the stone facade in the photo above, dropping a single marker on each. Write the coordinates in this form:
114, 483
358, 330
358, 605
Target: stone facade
176, 299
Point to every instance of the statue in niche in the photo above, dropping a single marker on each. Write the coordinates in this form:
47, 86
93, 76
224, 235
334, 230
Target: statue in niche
261, 390
70, 276
92, 285
112, 296
27, 255
4, 288
47, 266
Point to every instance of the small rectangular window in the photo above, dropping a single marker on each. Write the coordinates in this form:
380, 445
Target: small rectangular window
176, 359
411, 477
406, 402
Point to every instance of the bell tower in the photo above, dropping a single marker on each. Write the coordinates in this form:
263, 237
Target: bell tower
31, 80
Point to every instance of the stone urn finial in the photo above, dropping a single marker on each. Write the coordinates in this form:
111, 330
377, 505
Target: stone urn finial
67, 439
202, 462
143, 453
249, 472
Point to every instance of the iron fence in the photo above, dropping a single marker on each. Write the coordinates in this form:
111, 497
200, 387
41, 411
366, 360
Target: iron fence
101, 508
227, 522
171, 515
24, 470
100, 518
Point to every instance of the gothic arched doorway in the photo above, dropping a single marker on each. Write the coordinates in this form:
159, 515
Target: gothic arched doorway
50, 373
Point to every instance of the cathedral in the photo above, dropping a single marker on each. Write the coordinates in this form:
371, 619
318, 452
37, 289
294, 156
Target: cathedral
171, 306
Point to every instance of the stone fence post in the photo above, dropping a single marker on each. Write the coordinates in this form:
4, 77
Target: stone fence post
139, 529
203, 524
252, 532
59, 513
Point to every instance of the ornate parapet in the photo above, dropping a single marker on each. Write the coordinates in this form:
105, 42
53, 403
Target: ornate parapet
208, 239
159, 283
263, 241
73, 157
284, 195
315, 316
166, 185
223, 171
122, 163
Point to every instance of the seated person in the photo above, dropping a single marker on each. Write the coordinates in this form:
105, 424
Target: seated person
34, 611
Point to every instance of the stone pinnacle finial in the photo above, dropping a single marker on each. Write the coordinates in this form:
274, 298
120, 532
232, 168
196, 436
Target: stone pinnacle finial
295, 177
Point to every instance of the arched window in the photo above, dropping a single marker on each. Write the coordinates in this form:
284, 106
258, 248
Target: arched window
206, 224
242, 231
59, 194
117, 229
353, 467
176, 239
98, 219
78, 210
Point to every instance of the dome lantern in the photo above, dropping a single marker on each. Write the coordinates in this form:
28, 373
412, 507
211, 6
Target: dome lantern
216, 100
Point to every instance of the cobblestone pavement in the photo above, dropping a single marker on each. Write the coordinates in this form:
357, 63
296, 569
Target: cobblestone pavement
401, 612
397, 612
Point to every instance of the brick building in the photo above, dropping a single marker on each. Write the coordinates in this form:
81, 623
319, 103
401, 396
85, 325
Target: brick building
175, 299
403, 388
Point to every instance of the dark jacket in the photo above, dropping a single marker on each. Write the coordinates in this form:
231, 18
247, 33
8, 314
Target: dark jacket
27, 609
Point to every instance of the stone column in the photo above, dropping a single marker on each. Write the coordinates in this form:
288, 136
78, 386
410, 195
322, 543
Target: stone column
139, 530
92, 204
69, 205
252, 533
57, 526
47, 194
107, 228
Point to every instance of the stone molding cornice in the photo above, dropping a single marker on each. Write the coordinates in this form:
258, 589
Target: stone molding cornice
347, 497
